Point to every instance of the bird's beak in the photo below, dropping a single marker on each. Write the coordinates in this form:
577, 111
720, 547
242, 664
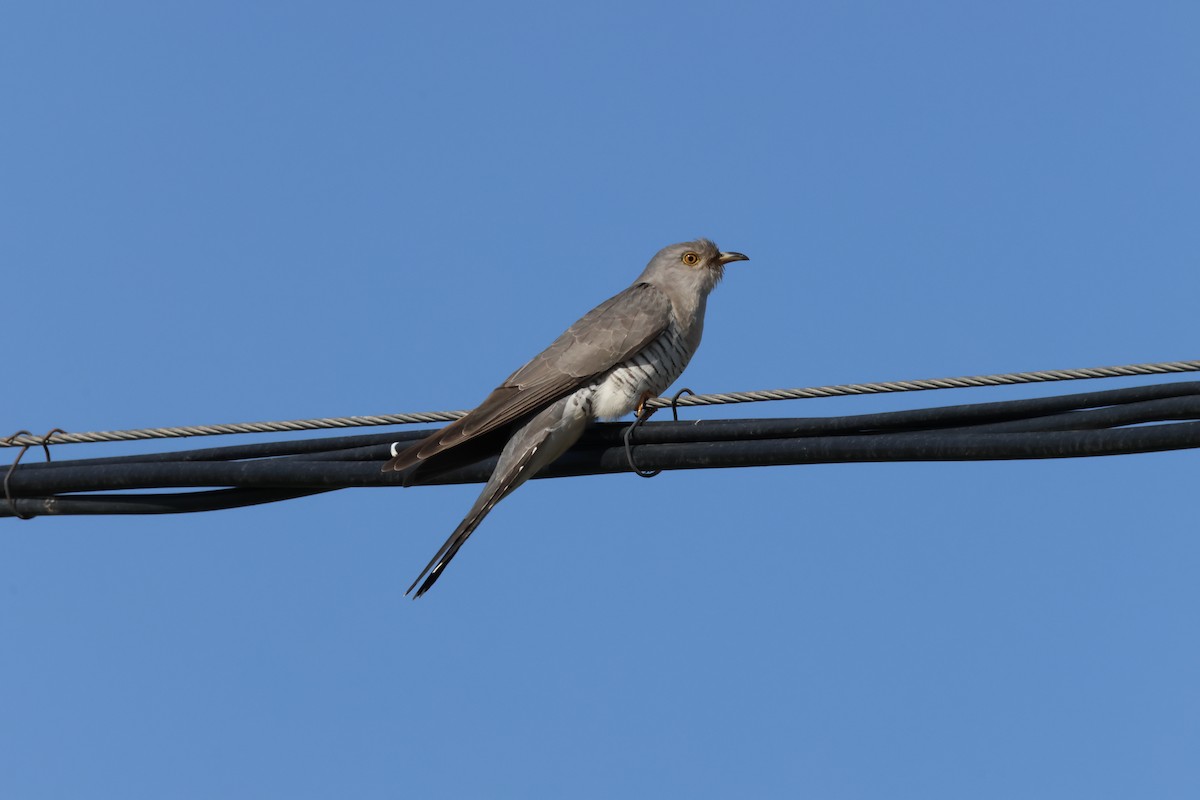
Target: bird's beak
725, 258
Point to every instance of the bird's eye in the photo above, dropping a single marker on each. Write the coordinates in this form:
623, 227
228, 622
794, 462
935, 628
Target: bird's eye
691, 259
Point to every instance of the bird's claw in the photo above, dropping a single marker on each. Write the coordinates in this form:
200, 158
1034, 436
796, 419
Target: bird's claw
643, 412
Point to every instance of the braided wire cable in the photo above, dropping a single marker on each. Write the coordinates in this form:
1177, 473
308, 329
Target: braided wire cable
1003, 379
325, 423
281, 426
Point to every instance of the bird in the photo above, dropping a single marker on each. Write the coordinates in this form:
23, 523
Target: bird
610, 362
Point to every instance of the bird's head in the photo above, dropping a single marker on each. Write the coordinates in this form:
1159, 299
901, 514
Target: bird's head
697, 265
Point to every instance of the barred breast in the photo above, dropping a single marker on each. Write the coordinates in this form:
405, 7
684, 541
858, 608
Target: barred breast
652, 370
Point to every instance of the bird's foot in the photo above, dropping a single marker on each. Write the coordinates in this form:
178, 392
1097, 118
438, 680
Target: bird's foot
643, 412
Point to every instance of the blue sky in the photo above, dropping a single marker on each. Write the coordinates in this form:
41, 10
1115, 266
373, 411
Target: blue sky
217, 213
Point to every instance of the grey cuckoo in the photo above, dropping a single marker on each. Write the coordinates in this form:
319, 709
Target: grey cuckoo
627, 349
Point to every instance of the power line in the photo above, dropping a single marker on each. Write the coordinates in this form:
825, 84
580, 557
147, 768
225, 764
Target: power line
325, 423
1098, 423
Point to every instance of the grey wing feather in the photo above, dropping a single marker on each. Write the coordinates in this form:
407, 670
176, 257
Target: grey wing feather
607, 335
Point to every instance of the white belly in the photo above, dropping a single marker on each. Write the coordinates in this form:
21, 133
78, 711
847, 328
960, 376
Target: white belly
652, 370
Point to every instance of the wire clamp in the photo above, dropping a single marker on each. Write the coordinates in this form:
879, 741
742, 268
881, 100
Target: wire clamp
8, 442
643, 413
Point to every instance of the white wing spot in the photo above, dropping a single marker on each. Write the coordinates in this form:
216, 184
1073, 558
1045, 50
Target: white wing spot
525, 464
395, 449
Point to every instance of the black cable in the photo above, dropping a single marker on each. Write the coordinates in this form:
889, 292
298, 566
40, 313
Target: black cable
167, 503
1087, 424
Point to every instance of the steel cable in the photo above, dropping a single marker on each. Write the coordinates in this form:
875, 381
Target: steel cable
325, 423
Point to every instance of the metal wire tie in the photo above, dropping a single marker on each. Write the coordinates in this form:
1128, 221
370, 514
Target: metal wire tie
638, 420
12, 505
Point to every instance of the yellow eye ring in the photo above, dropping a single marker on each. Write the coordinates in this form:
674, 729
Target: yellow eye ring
691, 259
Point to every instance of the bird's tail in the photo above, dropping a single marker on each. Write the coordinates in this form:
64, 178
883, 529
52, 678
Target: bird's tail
506, 478
541, 440
433, 570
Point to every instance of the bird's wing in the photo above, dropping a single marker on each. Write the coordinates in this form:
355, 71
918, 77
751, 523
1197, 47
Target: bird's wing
607, 335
